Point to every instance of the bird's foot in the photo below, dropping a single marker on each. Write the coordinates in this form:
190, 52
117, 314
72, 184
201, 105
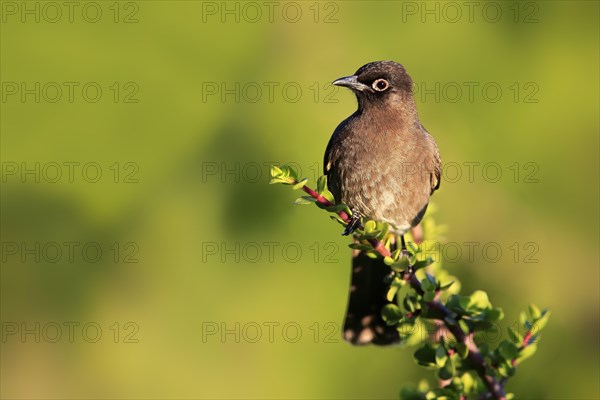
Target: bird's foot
354, 224
404, 253
407, 255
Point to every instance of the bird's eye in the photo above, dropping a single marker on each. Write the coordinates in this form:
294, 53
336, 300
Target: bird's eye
380, 85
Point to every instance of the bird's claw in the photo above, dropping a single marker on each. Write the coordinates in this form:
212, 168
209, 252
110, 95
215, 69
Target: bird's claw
354, 224
405, 253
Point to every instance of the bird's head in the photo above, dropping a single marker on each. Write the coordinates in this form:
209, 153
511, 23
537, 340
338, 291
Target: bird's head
377, 82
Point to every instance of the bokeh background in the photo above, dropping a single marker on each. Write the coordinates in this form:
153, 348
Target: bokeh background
211, 284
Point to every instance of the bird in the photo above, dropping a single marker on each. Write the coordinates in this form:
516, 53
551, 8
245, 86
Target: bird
384, 165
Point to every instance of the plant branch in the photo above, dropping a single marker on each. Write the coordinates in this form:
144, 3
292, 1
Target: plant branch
474, 355
443, 312
378, 246
525, 342
496, 387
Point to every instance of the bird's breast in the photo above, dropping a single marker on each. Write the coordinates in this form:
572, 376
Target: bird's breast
376, 169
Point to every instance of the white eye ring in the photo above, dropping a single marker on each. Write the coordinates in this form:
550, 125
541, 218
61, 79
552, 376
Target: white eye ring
380, 85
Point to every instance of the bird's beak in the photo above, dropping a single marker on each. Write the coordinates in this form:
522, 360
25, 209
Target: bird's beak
350, 82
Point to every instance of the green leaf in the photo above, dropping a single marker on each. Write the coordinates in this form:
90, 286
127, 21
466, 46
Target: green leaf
372, 254
449, 319
300, 184
441, 356
523, 318
508, 350
321, 184
462, 350
282, 179
447, 370
290, 171
494, 314
412, 394
336, 208
431, 396
506, 369
463, 302
384, 227
399, 266
360, 246
409, 304
541, 323
431, 279
391, 314
329, 197
488, 330
534, 312
457, 384
388, 260
429, 296
425, 355
412, 247
453, 303
411, 333
275, 171
479, 300
515, 336
463, 326
370, 226
526, 353
304, 200
469, 383
427, 285
422, 264
337, 219
391, 293
368, 235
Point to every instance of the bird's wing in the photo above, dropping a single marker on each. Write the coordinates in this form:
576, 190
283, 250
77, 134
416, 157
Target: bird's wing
327, 158
331, 153
434, 162
436, 175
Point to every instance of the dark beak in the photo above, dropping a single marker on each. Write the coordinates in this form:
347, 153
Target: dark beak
350, 82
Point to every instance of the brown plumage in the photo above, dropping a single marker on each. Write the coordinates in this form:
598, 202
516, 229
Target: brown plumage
384, 165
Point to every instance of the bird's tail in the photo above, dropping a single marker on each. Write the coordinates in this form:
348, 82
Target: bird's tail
368, 289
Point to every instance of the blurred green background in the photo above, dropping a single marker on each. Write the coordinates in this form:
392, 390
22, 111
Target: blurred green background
211, 284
